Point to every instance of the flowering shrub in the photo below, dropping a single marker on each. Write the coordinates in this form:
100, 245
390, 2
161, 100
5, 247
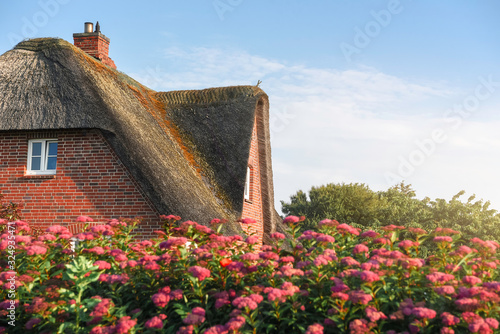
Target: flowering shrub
191, 279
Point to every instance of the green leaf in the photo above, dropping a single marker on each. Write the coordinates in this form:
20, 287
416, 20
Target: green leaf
66, 325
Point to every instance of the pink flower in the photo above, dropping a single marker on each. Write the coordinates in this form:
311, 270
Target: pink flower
417, 230
32, 250
196, 317
358, 296
291, 220
321, 260
373, 314
100, 228
216, 221
328, 222
154, 322
493, 323
269, 256
170, 217
480, 327
287, 259
449, 319
121, 258
360, 248
439, 277
344, 229
277, 236
217, 329
467, 304
96, 250
84, 219
176, 294
446, 330
423, 313
26, 239
243, 302
349, 261
102, 308
392, 227
340, 295
370, 234
273, 294
57, 229
185, 330
359, 326
252, 240
160, 299
464, 250
85, 236
173, 242
445, 290
248, 221
102, 265
250, 257
256, 298
470, 317
383, 241
315, 329
325, 238
124, 325
471, 280
235, 323
405, 244
199, 272
369, 276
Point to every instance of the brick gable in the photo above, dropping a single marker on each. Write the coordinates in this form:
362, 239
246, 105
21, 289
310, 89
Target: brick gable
90, 181
252, 208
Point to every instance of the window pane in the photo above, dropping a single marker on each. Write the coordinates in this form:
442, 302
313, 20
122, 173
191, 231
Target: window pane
35, 163
36, 149
51, 163
52, 148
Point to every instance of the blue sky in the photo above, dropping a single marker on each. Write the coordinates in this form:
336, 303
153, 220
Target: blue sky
361, 91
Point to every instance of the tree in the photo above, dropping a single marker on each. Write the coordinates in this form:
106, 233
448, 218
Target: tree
358, 205
353, 204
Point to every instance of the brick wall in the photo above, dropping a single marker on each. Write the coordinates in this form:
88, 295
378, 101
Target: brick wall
253, 208
90, 181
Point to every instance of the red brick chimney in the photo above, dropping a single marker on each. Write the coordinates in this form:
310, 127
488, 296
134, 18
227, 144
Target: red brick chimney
94, 43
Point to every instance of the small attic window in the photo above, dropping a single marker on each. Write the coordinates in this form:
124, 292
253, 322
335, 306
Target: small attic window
247, 184
42, 157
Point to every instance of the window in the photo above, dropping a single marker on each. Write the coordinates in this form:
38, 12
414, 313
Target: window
42, 156
247, 184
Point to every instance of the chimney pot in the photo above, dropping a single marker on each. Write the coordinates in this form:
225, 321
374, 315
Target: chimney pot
89, 27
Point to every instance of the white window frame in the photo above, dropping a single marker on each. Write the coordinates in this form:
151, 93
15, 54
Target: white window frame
247, 184
43, 158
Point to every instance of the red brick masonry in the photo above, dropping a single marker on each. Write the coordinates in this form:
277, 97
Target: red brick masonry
95, 45
253, 208
90, 181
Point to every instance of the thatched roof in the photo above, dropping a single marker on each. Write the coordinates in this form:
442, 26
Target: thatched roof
188, 150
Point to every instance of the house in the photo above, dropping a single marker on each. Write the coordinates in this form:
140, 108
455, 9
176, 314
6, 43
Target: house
78, 137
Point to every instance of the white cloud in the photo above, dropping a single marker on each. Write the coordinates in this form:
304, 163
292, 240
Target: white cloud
347, 126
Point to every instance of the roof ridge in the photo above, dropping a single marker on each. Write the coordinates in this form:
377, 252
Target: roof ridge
209, 95
40, 44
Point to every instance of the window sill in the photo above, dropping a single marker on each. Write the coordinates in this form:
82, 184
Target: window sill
41, 176
248, 201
